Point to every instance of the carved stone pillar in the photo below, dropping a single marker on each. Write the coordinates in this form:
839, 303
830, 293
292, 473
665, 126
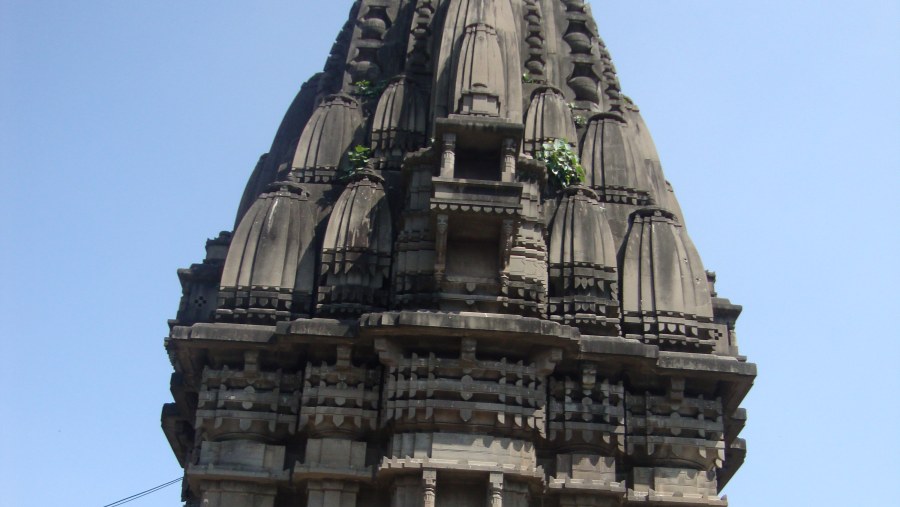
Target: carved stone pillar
506, 243
440, 245
429, 486
495, 483
508, 168
448, 157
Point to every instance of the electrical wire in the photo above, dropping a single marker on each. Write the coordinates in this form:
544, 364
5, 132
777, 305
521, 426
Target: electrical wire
142, 494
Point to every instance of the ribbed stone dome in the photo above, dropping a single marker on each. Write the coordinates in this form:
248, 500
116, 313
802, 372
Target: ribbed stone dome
610, 162
665, 293
582, 258
356, 250
267, 273
549, 117
333, 128
399, 124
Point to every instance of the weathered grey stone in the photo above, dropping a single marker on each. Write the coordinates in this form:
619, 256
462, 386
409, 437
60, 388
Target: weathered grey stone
583, 268
356, 250
548, 118
267, 272
665, 293
399, 125
609, 162
333, 128
449, 325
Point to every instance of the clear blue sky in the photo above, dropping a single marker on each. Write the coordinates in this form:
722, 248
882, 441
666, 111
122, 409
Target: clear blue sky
128, 129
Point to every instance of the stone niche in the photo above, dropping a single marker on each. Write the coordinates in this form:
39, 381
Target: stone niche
476, 204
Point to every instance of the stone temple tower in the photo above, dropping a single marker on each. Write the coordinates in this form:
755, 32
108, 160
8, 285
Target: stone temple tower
424, 302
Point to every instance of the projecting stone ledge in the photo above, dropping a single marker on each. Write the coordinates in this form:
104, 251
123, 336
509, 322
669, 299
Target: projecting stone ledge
246, 333
463, 323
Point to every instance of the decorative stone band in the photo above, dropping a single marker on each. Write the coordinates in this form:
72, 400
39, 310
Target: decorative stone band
339, 399
408, 452
587, 413
238, 403
503, 395
683, 430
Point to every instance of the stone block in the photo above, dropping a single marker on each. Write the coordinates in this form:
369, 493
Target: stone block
675, 485
242, 455
333, 458
238, 494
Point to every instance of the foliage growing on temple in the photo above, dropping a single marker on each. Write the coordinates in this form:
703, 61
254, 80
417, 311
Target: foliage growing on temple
368, 89
357, 158
562, 162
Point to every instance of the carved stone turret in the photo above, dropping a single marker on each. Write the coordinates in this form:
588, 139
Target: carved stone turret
425, 302
583, 273
356, 253
665, 294
267, 273
330, 132
548, 118
399, 125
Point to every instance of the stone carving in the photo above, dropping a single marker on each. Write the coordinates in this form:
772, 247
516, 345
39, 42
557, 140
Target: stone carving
548, 118
665, 294
536, 59
610, 80
455, 394
677, 431
588, 413
459, 71
432, 323
583, 274
584, 78
267, 272
374, 19
339, 399
200, 283
332, 130
399, 123
480, 87
419, 50
609, 162
356, 253
247, 404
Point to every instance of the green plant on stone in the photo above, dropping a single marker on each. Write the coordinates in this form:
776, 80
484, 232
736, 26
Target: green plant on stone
527, 79
358, 157
580, 121
368, 89
563, 166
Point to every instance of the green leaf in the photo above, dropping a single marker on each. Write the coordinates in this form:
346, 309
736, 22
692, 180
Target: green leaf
562, 163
